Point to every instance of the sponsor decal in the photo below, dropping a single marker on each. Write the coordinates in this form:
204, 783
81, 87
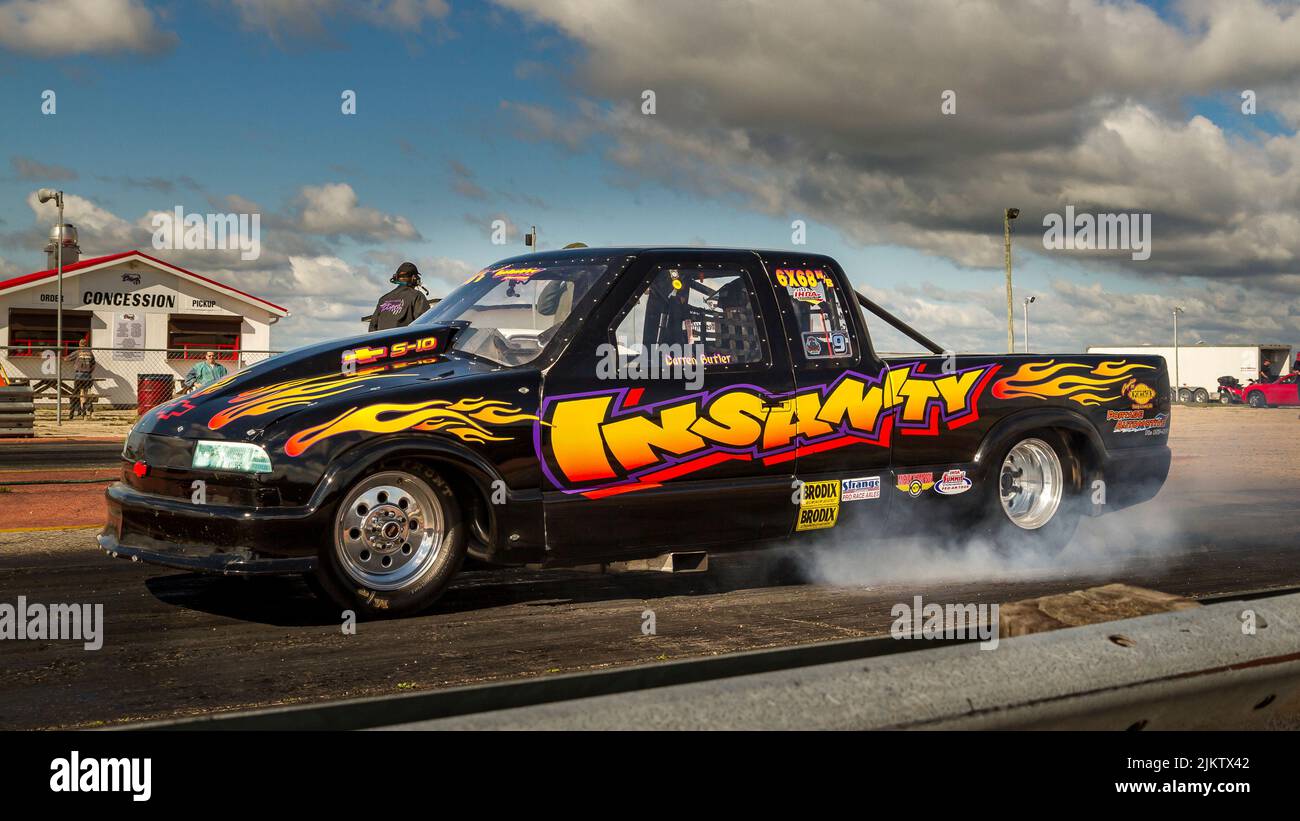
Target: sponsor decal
792, 278
914, 484
368, 354
1079, 382
177, 409
819, 505
816, 345
1113, 415
512, 273
952, 482
813, 296
825, 344
601, 443
1138, 393
867, 487
1153, 426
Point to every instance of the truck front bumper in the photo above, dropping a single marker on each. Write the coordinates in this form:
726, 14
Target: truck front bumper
213, 539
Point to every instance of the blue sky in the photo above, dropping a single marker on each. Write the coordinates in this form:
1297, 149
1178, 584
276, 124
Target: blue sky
253, 111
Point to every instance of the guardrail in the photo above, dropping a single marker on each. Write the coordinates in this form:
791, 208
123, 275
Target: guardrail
1186, 669
17, 410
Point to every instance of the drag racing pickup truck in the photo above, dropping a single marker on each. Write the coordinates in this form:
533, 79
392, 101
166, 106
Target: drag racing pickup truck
614, 405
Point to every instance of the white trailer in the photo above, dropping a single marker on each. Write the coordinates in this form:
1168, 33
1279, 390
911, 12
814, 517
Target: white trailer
1197, 368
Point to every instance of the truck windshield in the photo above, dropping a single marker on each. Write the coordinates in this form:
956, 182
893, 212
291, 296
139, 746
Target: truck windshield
515, 309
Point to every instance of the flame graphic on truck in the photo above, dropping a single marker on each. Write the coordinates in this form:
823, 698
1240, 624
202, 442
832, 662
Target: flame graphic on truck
290, 394
467, 419
1077, 381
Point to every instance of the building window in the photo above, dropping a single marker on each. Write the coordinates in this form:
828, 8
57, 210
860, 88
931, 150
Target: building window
190, 337
32, 330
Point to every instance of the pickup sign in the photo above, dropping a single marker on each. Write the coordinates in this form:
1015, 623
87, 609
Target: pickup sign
597, 405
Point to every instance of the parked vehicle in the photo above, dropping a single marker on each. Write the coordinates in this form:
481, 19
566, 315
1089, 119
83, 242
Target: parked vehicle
601, 405
1199, 366
1266, 394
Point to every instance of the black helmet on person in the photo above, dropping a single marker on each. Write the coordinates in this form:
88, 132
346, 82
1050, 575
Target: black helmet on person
407, 274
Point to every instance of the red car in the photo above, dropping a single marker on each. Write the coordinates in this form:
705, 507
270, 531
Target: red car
1285, 391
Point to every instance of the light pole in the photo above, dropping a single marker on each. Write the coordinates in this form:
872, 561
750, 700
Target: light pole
1177, 384
1007, 216
45, 195
1028, 300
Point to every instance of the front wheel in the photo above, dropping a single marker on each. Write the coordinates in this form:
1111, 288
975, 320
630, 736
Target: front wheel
1257, 400
398, 539
1035, 502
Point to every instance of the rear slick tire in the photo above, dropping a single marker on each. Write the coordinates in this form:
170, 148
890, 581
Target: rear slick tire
1033, 499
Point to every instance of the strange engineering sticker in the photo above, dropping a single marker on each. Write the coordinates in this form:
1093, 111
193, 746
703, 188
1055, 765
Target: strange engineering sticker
603, 442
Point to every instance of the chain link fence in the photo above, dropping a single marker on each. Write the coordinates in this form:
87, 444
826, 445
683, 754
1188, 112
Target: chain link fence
120, 375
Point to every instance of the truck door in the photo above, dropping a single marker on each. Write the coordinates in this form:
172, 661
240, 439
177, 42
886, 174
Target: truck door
841, 406
659, 424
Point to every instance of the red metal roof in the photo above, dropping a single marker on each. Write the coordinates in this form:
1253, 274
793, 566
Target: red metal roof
90, 263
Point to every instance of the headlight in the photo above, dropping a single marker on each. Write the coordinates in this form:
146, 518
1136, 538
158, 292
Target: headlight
237, 456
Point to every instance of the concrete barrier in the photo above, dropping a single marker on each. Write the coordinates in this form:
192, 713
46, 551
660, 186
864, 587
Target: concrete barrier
1190, 669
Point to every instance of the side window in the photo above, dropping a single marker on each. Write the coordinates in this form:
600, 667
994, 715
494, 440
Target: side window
819, 311
705, 313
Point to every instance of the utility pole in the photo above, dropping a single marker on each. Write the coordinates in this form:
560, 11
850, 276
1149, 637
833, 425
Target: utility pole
45, 195
1177, 383
1028, 300
1007, 216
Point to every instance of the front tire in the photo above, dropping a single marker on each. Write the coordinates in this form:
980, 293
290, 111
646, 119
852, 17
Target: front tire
398, 538
1034, 500
1257, 400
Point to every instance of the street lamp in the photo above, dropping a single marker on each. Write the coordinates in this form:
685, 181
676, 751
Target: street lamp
1007, 216
1028, 300
45, 195
1177, 384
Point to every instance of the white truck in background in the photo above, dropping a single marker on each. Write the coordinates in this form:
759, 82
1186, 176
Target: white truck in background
1197, 368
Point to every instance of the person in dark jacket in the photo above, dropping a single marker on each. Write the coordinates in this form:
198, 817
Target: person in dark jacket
400, 306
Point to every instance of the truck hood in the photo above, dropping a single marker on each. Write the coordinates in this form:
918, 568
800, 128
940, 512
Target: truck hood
315, 379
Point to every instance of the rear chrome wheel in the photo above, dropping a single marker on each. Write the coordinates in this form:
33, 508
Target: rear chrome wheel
1031, 484
388, 531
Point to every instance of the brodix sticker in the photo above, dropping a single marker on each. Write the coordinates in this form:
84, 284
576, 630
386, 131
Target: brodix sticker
819, 505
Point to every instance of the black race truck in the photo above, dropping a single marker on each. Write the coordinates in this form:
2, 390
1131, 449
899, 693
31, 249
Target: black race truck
617, 404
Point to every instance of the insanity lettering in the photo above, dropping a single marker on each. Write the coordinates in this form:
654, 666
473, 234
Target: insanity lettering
602, 443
